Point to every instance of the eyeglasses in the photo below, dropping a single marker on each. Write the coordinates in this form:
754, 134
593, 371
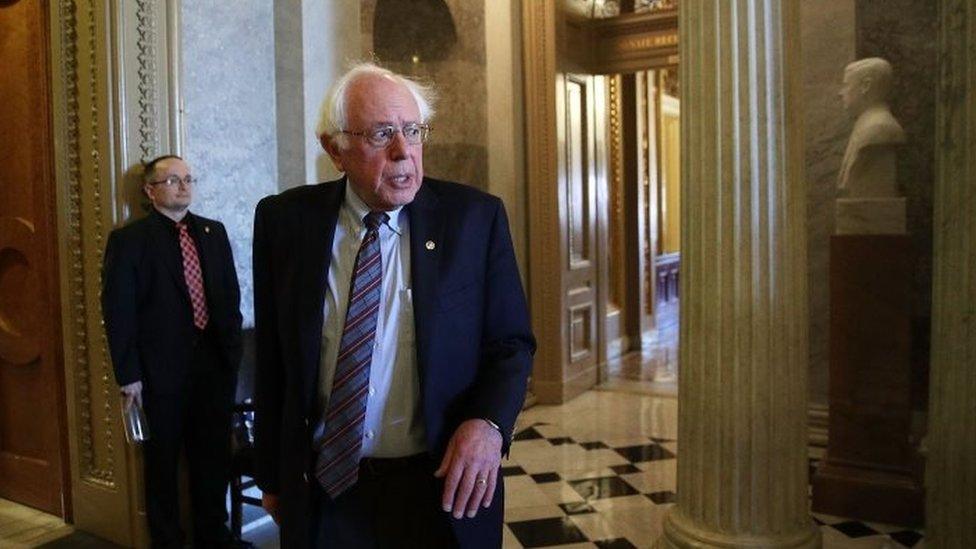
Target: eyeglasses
175, 180
381, 136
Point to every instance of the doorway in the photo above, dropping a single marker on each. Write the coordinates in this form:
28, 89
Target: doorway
643, 222
603, 116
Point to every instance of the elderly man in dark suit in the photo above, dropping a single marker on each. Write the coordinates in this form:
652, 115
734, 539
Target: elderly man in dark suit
393, 338
171, 305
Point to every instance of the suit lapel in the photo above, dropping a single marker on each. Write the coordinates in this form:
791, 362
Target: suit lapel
426, 246
318, 222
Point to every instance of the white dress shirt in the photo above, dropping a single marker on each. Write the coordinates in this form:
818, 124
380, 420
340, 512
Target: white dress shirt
394, 424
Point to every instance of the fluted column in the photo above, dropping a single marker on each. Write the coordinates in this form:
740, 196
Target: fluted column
742, 469
951, 465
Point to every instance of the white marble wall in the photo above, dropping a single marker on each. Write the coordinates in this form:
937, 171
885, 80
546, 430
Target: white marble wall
229, 95
828, 41
506, 139
315, 41
457, 150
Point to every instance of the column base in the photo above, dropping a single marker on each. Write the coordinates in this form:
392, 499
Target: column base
868, 494
681, 533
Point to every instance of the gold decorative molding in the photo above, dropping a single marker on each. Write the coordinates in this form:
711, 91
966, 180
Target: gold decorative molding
82, 345
545, 295
97, 97
148, 99
616, 225
631, 41
112, 103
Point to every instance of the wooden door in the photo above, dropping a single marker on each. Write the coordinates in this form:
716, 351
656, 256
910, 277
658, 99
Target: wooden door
32, 412
578, 187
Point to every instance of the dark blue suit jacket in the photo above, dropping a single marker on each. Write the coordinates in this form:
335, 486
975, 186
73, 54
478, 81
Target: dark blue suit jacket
473, 335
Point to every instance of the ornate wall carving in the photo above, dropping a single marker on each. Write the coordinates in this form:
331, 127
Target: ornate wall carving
146, 46
108, 109
89, 368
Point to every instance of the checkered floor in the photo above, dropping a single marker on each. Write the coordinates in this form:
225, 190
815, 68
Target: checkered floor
599, 471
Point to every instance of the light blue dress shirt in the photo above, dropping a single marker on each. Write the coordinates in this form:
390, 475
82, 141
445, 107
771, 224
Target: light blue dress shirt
394, 422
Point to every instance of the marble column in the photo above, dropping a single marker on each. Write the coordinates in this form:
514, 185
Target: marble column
951, 467
742, 469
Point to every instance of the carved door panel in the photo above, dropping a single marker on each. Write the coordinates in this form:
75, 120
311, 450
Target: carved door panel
648, 182
578, 180
31, 370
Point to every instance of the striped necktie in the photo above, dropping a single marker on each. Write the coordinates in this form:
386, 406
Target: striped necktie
337, 466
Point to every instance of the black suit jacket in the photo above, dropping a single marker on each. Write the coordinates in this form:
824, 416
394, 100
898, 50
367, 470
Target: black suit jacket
473, 337
146, 304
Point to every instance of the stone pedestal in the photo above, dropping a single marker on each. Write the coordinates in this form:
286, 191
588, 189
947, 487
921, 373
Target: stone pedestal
870, 215
871, 468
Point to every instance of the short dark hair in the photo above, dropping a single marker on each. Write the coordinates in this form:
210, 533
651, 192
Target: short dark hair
149, 168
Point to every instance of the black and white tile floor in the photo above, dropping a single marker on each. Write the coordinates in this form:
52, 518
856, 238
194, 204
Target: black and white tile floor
599, 471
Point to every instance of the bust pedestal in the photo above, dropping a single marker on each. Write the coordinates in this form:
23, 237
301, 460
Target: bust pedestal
870, 215
871, 467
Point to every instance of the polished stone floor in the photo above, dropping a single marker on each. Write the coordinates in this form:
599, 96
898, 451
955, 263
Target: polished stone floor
654, 370
598, 471
22, 526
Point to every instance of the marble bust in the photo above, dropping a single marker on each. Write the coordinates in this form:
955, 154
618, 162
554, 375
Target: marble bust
868, 168
868, 201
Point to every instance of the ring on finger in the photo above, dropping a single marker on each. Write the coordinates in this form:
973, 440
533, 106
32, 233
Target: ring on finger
482, 481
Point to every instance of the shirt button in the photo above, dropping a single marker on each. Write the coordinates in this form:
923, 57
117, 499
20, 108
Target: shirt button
372, 391
369, 434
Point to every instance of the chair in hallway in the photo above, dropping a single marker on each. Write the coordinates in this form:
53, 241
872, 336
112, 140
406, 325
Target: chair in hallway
242, 464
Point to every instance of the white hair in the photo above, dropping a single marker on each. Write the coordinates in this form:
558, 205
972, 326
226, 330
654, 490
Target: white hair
333, 115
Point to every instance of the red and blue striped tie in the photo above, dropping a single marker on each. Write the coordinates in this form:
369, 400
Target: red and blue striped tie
337, 467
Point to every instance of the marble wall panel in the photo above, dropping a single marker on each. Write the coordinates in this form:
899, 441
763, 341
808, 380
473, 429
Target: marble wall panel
458, 148
229, 94
905, 32
828, 36
314, 42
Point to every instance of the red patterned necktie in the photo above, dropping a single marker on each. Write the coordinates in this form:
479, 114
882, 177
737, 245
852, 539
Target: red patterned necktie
194, 277
337, 466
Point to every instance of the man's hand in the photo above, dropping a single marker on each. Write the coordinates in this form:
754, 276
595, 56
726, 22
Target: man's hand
470, 468
131, 393
270, 504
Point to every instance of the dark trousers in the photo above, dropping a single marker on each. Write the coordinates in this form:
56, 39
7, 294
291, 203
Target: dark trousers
395, 503
199, 422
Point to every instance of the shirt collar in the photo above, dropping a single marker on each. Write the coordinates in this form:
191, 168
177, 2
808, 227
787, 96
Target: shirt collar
359, 209
167, 221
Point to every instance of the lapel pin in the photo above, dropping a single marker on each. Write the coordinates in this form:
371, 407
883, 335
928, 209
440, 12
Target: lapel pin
430, 245
206, 228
